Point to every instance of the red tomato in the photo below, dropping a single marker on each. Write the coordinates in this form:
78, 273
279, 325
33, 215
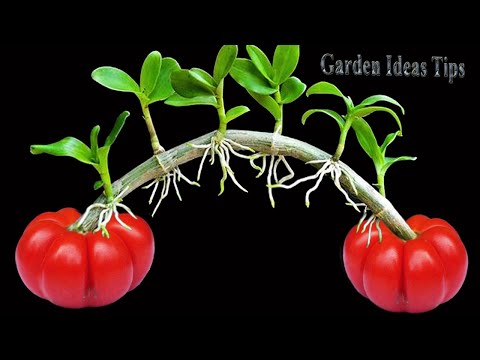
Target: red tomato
74, 270
407, 276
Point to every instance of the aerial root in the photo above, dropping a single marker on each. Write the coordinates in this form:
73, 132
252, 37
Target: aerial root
373, 219
174, 176
108, 211
223, 149
336, 170
275, 161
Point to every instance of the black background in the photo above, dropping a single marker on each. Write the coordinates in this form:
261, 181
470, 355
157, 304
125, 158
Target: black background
234, 254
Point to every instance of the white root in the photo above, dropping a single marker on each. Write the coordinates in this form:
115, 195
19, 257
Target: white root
174, 177
275, 161
108, 211
260, 170
336, 170
373, 219
224, 149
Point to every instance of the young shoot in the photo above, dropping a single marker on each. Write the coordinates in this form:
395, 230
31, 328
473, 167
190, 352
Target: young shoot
354, 118
377, 153
98, 158
272, 85
197, 87
154, 86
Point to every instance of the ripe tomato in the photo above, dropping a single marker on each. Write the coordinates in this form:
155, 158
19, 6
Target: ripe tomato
75, 270
407, 276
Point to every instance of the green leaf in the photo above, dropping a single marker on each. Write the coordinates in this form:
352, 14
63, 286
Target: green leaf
333, 114
187, 84
261, 61
324, 88
236, 112
117, 127
367, 140
390, 161
150, 72
115, 79
224, 62
268, 103
94, 141
202, 75
369, 110
291, 90
376, 98
388, 140
98, 184
68, 146
247, 75
178, 101
163, 87
349, 103
102, 158
285, 61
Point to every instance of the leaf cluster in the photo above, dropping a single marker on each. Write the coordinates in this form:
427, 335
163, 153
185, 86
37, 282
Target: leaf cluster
355, 118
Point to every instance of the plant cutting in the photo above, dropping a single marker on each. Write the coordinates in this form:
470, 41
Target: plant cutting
413, 273
197, 87
417, 279
154, 86
272, 86
60, 261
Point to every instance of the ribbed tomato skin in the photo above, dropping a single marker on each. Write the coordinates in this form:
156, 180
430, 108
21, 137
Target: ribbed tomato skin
412, 276
74, 270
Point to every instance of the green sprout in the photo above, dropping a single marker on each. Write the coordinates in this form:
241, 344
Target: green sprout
272, 85
154, 86
197, 87
354, 118
377, 153
98, 158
